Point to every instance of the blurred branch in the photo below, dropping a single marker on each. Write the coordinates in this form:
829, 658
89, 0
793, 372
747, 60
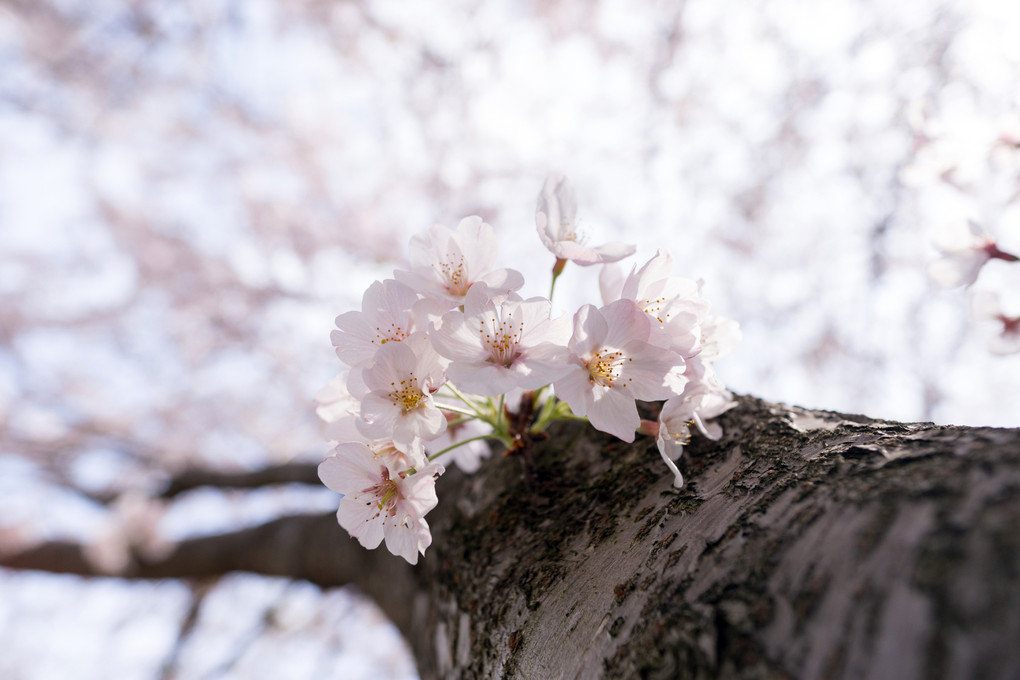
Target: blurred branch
269, 549
199, 590
308, 547
288, 473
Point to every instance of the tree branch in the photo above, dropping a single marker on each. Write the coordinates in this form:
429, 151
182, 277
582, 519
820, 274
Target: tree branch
805, 543
309, 547
288, 473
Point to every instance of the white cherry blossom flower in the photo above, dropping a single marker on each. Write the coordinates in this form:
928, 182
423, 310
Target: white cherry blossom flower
446, 263
398, 403
494, 346
986, 307
556, 220
699, 402
612, 364
719, 335
381, 502
339, 410
963, 253
673, 303
387, 315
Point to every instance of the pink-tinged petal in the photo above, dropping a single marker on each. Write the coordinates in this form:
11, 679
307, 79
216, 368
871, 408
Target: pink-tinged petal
625, 322
659, 267
711, 430
556, 221
615, 413
476, 241
389, 295
614, 251
653, 373
338, 410
502, 281
420, 250
419, 490
350, 468
575, 389
341, 429
356, 383
590, 330
427, 423
610, 283
359, 516
353, 339
545, 364
484, 379
409, 537
696, 368
585, 256
455, 340
392, 363
538, 326
378, 416
664, 451
557, 206
429, 311
385, 316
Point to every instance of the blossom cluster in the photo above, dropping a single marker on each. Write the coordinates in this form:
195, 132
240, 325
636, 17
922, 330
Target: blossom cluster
970, 173
964, 252
443, 358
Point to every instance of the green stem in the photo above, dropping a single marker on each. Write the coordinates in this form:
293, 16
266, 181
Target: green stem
469, 415
556, 271
466, 441
545, 415
472, 405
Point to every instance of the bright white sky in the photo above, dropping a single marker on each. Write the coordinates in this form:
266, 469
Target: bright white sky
158, 166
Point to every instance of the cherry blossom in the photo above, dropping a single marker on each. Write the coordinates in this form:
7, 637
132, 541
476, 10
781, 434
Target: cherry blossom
986, 307
963, 253
699, 402
339, 410
398, 404
674, 304
446, 263
719, 335
386, 316
381, 502
494, 347
447, 358
612, 364
556, 219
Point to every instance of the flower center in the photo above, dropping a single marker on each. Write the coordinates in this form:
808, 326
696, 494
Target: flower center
395, 333
569, 232
390, 454
387, 492
406, 394
605, 367
502, 336
453, 270
654, 309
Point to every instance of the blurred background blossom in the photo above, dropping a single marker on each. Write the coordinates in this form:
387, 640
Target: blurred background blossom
190, 192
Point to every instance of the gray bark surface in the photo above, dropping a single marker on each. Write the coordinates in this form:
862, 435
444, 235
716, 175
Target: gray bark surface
805, 544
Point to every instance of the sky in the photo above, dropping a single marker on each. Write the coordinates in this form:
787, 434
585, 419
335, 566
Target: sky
191, 192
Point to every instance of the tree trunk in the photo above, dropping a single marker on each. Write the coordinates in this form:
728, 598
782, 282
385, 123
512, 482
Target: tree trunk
805, 544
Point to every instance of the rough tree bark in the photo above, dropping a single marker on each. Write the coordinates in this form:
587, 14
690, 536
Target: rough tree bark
805, 544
